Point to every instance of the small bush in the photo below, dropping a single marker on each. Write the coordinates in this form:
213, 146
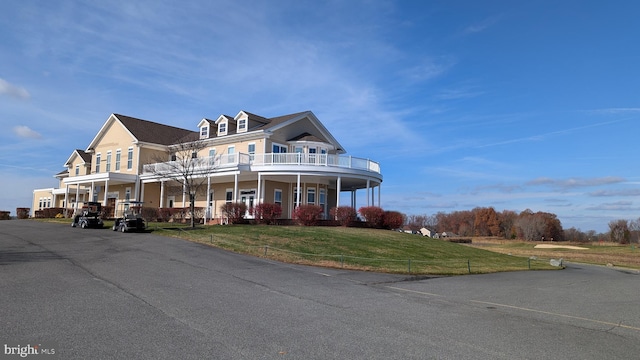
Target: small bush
393, 219
5, 215
308, 215
345, 215
373, 215
22, 213
234, 211
267, 213
150, 213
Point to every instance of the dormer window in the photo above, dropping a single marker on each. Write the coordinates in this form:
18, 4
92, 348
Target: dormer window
222, 128
204, 132
242, 125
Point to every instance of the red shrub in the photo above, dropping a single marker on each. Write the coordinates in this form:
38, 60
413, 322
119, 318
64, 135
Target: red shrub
234, 211
393, 219
267, 213
308, 215
343, 214
22, 213
373, 215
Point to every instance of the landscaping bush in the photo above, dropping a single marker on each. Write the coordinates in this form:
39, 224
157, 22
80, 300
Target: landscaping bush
393, 219
266, 213
5, 215
373, 215
345, 215
150, 213
234, 211
307, 215
22, 213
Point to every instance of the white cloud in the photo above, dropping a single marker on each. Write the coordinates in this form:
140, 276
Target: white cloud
6, 88
26, 132
576, 182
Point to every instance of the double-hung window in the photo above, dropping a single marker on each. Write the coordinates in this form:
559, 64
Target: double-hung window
277, 197
98, 159
130, 158
108, 167
118, 155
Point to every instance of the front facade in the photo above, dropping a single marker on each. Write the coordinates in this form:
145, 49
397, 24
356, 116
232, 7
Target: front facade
287, 160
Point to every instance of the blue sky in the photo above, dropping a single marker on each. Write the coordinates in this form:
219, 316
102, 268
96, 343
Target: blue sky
509, 104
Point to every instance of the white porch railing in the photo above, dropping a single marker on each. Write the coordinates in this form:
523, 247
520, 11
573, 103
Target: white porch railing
270, 159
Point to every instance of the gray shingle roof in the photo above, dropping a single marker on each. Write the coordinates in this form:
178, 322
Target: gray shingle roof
152, 132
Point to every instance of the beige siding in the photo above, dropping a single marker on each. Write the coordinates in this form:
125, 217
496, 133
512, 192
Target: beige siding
115, 137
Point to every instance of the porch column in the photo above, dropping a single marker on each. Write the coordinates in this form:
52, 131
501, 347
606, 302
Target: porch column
184, 190
354, 198
141, 198
161, 194
106, 191
368, 187
136, 190
77, 195
338, 189
235, 187
298, 192
93, 186
208, 211
66, 196
259, 194
379, 201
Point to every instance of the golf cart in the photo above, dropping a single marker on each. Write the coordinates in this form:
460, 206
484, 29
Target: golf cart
88, 216
130, 217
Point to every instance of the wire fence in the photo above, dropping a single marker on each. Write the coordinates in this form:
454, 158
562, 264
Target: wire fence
450, 266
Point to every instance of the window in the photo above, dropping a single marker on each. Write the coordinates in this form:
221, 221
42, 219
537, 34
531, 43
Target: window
96, 191
311, 196
118, 155
229, 196
130, 158
242, 125
173, 157
252, 151
277, 197
194, 155
222, 128
108, 161
322, 201
98, 157
278, 149
204, 132
127, 194
77, 170
212, 156
231, 150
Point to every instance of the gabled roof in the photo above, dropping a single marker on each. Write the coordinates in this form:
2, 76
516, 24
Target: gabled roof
86, 157
253, 117
144, 131
282, 121
152, 132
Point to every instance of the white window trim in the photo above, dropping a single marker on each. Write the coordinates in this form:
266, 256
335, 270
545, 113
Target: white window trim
130, 158
118, 160
226, 128
242, 128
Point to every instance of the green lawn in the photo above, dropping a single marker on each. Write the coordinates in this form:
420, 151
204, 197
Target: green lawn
354, 248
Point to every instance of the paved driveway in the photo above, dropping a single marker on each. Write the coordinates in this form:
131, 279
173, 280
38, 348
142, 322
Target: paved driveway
98, 294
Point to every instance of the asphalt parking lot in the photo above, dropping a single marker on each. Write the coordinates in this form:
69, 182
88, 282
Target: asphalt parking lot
107, 295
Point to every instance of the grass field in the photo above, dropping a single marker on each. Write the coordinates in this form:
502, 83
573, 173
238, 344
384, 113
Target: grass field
604, 253
356, 248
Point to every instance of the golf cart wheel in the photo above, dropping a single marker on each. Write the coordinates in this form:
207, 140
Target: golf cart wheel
123, 228
83, 224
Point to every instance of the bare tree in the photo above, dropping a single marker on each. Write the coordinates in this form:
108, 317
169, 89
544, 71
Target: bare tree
187, 169
619, 231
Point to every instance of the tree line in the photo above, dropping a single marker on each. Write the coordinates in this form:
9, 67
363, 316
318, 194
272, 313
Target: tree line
526, 225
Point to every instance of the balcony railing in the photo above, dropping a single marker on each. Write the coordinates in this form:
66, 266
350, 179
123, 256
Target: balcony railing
270, 159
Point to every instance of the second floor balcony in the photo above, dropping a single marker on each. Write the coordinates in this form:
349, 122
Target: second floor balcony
220, 162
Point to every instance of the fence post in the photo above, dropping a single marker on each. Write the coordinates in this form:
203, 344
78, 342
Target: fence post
409, 266
211, 239
342, 261
266, 247
469, 265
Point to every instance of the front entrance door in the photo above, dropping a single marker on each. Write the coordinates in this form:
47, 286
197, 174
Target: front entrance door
111, 205
248, 198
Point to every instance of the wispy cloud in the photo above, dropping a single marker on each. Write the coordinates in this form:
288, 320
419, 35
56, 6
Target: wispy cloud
575, 182
6, 88
615, 206
625, 192
482, 25
26, 132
